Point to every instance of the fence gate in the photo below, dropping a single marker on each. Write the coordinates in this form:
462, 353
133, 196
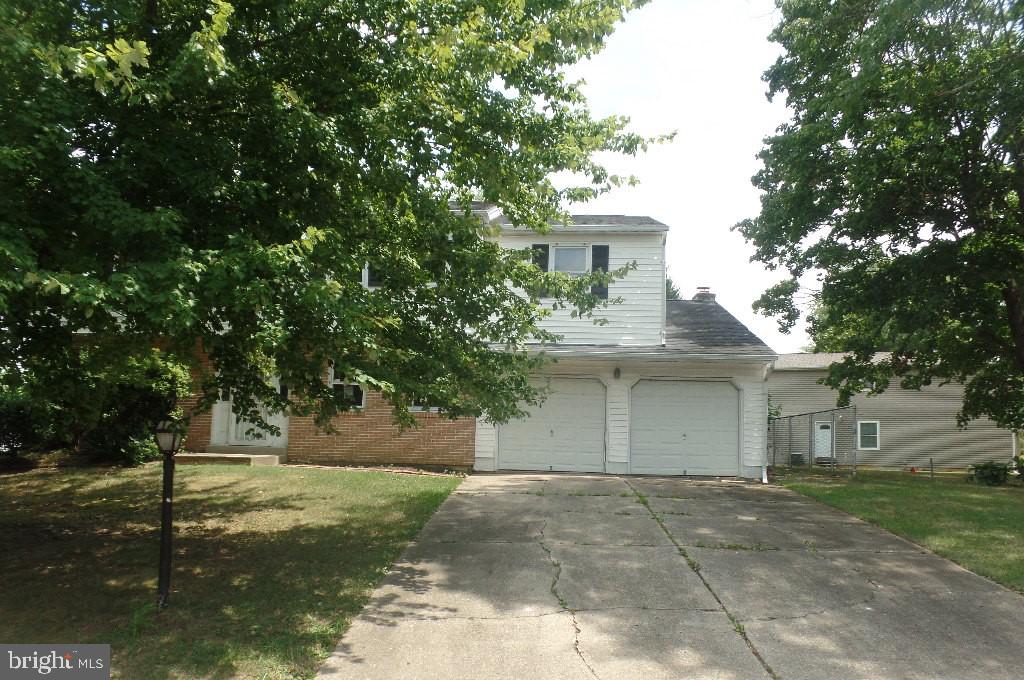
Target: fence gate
825, 438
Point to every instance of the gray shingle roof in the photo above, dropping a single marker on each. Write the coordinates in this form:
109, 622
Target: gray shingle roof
602, 223
706, 327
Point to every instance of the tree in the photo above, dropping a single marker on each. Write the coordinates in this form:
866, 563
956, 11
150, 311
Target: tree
671, 290
898, 185
194, 173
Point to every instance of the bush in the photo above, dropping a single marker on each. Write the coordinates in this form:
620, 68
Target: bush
141, 395
24, 426
102, 403
991, 473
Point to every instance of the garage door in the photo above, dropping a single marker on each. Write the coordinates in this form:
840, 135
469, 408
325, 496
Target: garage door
680, 427
565, 434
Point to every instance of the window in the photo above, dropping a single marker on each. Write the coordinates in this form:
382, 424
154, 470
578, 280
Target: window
574, 260
868, 435
352, 392
421, 405
570, 259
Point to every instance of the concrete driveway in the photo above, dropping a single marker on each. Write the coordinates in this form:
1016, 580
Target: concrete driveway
559, 576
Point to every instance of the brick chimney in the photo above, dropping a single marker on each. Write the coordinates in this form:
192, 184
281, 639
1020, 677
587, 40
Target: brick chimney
704, 294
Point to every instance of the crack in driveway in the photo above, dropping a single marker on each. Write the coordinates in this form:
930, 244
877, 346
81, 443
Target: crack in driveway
737, 625
562, 601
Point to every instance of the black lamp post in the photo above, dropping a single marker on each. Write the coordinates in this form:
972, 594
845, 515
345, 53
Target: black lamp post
168, 439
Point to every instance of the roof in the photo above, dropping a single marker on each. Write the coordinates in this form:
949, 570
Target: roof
706, 327
817, 361
693, 329
592, 223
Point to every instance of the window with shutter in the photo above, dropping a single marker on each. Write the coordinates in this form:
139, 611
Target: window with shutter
599, 262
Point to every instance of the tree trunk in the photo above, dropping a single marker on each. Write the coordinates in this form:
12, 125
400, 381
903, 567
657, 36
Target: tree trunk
1015, 313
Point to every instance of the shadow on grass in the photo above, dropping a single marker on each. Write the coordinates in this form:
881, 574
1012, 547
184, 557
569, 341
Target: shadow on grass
269, 565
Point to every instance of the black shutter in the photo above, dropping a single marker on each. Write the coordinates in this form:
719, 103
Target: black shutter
599, 262
540, 255
372, 277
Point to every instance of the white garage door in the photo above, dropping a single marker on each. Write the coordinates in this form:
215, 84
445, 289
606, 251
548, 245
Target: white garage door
565, 434
681, 427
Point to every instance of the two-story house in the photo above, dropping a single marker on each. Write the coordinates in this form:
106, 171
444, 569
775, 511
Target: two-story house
666, 387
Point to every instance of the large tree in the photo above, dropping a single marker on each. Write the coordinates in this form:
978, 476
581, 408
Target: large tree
898, 186
203, 173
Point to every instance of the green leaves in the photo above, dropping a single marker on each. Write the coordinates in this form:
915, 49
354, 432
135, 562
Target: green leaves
218, 176
897, 185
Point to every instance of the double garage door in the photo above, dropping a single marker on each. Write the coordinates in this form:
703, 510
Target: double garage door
677, 427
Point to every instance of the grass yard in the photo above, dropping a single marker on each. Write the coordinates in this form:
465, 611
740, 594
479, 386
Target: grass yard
270, 564
979, 527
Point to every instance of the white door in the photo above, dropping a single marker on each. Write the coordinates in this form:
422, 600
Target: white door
684, 427
243, 433
822, 439
564, 434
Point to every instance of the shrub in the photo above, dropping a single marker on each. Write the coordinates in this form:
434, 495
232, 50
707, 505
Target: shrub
101, 402
992, 473
24, 425
136, 397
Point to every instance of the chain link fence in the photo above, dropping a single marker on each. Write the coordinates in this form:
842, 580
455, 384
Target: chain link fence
823, 438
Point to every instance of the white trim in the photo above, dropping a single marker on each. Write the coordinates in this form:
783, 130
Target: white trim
878, 436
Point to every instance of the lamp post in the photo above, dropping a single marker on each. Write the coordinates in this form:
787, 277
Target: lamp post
168, 439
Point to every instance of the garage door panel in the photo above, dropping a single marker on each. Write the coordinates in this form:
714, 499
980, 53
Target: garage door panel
684, 427
565, 434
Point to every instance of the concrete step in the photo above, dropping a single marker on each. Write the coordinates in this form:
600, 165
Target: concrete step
251, 450
216, 458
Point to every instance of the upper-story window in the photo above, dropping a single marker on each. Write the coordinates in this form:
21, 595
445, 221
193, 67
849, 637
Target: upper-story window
570, 259
573, 259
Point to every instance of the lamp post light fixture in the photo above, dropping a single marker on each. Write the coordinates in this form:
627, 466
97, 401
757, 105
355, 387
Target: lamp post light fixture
168, 439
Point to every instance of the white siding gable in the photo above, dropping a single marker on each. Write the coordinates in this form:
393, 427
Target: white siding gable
639, 319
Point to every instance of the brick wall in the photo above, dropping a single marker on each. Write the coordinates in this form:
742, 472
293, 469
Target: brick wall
199, 427
365, 437
370, 437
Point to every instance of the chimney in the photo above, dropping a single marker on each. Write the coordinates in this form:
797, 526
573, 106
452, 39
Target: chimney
704, 294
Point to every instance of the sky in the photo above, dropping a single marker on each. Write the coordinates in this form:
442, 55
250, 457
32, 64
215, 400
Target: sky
694, 66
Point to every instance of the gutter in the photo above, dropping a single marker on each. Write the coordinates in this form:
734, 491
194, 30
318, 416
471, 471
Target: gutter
669, 355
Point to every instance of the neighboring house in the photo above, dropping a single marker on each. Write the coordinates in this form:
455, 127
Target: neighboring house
663, 387
898, 428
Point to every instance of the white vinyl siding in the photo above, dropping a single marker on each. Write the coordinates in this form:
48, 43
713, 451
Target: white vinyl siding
639, 318
918, 425
869, 438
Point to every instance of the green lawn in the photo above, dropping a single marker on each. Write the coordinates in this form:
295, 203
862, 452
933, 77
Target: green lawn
979, 527
270, 564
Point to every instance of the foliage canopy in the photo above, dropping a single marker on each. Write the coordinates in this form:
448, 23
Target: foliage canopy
898, 183
208, 174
